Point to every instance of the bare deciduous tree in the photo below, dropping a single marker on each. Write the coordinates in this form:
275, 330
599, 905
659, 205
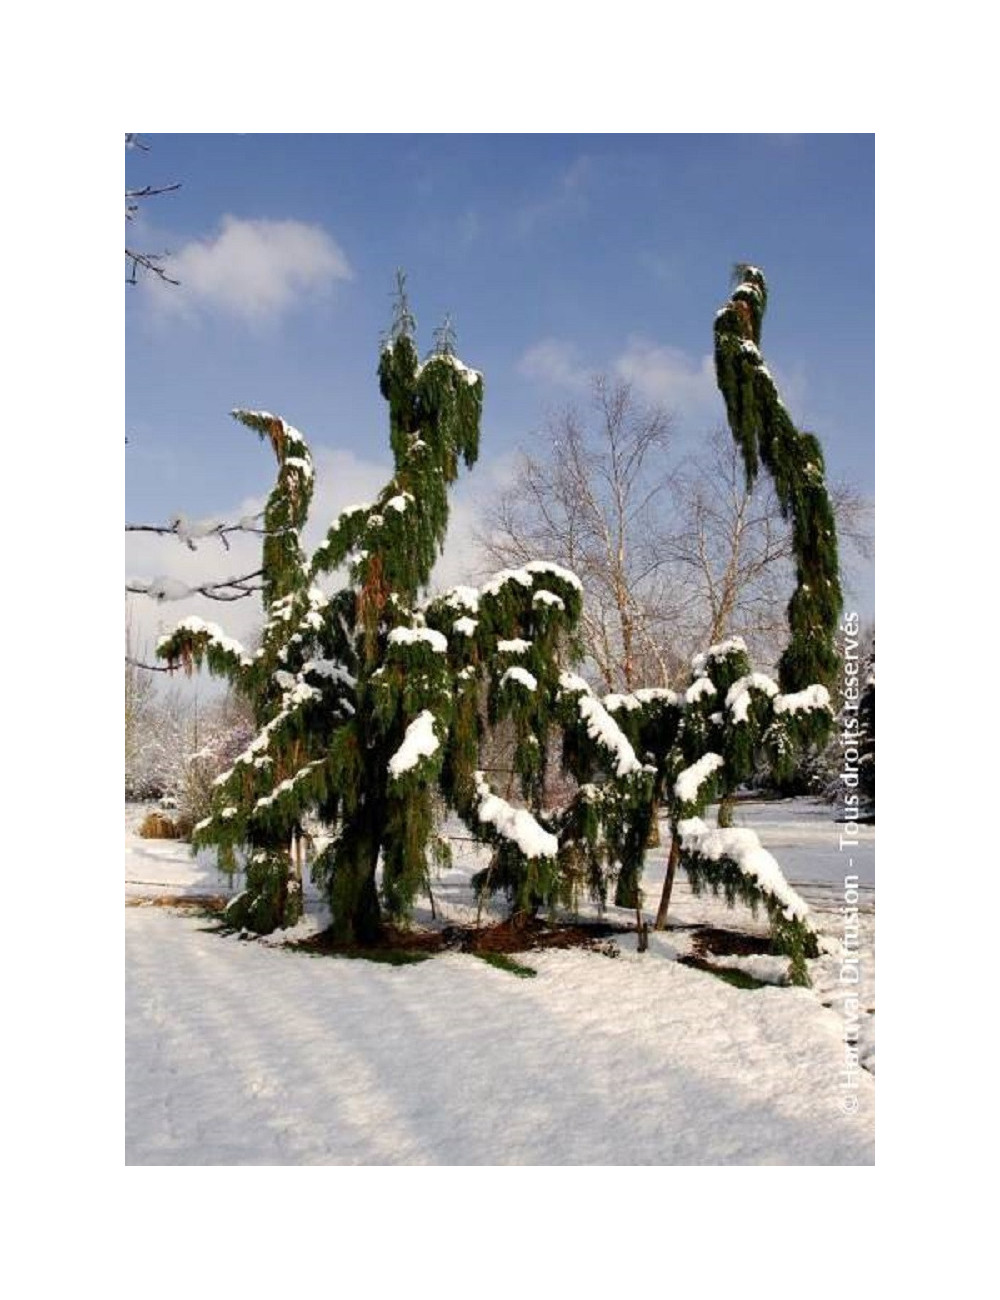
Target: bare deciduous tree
674, 556
593, 501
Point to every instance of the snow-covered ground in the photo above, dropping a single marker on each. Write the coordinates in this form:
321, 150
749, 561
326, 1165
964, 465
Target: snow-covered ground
248, 1053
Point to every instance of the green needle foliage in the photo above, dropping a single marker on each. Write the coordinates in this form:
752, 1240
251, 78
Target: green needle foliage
373, 702
765, 434
703, 743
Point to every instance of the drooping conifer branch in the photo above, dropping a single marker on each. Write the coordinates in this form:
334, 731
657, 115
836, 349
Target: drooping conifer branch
765, 434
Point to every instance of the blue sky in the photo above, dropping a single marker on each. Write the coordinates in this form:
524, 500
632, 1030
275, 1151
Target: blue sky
557, 256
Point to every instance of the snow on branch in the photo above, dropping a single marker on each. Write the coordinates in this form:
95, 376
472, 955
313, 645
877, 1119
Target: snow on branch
418, 742
227, 589
813, 697
600, 726
744, 850
191, 532
691, 779
515, 825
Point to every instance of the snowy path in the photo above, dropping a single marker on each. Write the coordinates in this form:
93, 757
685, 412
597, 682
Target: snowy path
242, 1054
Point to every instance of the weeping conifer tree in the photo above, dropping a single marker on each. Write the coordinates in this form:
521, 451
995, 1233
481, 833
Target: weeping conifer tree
766, 436
370, 701
703, 742
370, 705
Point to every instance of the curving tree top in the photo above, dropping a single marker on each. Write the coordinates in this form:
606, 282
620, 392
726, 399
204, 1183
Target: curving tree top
766, 435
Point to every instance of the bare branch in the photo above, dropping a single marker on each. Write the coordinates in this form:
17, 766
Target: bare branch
228, 589
149, 668
181, 529
148, 262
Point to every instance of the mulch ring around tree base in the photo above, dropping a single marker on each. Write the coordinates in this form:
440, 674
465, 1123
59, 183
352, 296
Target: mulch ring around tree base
506, 937
710, 941
214, 904
522, 935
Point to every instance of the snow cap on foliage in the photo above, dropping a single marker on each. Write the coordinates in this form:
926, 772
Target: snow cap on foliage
514, 824
690, 781
215, 634
745, 849
520, 675
601, 727
699, 689
732, 645
738, 695
813, 697
413, 635
419, 742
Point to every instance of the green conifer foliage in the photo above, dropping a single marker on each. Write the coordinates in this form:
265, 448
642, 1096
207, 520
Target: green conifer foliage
705, 741
369, 700
765, 434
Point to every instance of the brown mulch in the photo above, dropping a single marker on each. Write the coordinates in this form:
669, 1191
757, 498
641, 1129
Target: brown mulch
506, 937
710, 941
192, 902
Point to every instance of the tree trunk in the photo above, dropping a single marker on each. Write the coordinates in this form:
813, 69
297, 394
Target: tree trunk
627, 888
668, 883
725, 816
366, 920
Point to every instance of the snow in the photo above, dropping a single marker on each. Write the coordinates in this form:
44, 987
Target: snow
748, 853
601, 727
189, 531
164, 588
515, 646
690, 781
330, 670
813, 697
196, 625
699, 689
499, 580
524, 576
646, 695
399, 502
467, 373
520, 675
515, 824
465, 626
246, 1053
466, 598
419, 742
738, 696
548, 569
285, 786
721, 649
415, 635
548, 598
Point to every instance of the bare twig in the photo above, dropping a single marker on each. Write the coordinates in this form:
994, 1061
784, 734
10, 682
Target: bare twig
148, 262
180, 528
149, 668
225, 590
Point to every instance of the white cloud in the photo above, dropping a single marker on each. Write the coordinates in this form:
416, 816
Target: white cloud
669, 376
253, 270
565, 198
342, 479
554, 361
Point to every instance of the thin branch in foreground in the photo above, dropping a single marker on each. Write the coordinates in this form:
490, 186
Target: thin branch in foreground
228, 589
190, 534
148, 262
149, 668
